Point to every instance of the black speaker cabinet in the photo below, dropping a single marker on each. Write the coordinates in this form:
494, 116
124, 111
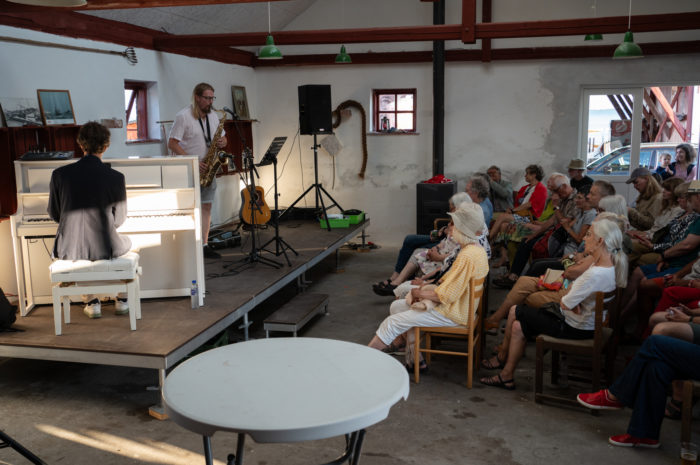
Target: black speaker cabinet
432, 201
315, 109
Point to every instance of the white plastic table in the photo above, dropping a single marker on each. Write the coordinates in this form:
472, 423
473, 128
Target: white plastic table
285, 390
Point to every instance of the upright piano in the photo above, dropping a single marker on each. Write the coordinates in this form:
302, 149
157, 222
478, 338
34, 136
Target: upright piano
163, 222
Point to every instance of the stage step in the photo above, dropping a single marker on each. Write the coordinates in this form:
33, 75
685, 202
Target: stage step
293, 315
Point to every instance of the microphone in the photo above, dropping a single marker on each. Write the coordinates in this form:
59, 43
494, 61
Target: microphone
233, 113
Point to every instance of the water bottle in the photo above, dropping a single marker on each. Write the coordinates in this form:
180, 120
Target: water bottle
194, 294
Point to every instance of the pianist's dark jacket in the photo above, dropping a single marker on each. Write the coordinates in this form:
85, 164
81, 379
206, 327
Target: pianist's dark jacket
88, 201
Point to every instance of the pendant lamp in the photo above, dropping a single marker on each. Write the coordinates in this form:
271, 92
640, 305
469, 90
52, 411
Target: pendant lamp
343, 56
269, 51
594, 7
628, 49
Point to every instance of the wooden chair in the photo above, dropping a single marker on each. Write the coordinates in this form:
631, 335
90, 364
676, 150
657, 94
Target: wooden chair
691, 389
593, 348
471, 332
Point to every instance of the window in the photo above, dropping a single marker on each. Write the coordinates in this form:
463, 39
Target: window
394, 110
137, 95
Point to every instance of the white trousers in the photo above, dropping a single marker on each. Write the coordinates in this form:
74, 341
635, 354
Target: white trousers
402, 319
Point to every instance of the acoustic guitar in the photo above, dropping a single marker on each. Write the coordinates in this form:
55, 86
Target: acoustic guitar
254, 210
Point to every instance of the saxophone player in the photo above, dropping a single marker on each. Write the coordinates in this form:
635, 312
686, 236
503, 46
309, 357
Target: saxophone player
191, 134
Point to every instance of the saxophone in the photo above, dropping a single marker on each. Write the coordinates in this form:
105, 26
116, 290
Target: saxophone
214, 156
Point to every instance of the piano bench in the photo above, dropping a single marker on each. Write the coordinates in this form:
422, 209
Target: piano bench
77, 277
293, 315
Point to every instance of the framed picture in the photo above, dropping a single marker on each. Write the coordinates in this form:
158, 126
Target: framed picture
240, 102
56, 107
20, 111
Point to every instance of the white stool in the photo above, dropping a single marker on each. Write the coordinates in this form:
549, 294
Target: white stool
76, 277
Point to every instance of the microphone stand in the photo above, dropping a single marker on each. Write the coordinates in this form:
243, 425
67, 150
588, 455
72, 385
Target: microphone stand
248, 166
281, 245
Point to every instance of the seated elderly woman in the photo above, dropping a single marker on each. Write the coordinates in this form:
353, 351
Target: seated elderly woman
414, 242
451, 296
529, 202
574, 317
648, 203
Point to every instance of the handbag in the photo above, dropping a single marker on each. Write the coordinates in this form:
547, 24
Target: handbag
551, 280
553, 308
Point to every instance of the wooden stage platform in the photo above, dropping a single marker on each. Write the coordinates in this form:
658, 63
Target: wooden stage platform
169, 328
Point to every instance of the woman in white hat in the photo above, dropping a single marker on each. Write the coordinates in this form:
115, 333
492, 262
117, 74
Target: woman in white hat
451, 296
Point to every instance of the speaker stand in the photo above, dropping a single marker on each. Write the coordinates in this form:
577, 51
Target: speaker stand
319, 191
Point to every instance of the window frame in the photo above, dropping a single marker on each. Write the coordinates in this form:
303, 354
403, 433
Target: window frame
375, 108
140, 97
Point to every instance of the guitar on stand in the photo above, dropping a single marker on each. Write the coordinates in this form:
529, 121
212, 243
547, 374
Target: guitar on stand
253, 203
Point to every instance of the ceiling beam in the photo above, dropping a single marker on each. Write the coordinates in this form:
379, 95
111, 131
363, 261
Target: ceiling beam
132, 4
564, 27
70, 24
465, 55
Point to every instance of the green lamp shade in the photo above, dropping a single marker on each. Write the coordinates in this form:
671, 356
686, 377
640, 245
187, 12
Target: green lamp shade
343, 56
593, 37
269, 51
628, 49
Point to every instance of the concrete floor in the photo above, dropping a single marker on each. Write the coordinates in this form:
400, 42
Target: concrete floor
77, 414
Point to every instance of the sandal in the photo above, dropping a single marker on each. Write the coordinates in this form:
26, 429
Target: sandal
674, 409
395, 350
489, 365
384, 289
422, 367
497, 381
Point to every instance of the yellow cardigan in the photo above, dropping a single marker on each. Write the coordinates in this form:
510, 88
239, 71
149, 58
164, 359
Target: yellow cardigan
453, 289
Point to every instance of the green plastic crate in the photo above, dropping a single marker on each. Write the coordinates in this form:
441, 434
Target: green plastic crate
336, 223
356, 219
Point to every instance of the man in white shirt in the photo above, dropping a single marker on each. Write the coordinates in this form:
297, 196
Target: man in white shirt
191, 135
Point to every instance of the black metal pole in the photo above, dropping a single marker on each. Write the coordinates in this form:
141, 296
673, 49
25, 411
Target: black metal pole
438, 93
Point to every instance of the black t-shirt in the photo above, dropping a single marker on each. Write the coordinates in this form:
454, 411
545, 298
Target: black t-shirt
585, 181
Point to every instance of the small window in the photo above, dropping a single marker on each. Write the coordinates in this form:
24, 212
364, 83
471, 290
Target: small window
394, 110
136, 96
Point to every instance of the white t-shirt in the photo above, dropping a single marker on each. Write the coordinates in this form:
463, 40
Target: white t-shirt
188, 132
594, 279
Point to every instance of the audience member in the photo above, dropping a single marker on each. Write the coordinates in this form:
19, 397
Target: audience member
529, 202
599, 189
574, 317
501, 190
684, 167
577, 170
642, 387
648, 203
478, 189
451, 297
664, 169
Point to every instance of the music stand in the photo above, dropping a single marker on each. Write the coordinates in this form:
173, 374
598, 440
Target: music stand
270, 157
319, 191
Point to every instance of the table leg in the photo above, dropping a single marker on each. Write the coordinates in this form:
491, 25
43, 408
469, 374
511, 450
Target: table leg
238, 458
353, 449
208, 457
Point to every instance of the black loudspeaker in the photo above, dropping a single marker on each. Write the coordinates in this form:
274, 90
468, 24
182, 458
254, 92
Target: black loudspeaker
315, 109
432, 201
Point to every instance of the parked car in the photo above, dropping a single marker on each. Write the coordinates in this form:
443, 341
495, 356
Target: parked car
617, 162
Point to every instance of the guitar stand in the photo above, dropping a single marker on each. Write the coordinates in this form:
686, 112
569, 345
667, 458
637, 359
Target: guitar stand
281, 245
254, 255
319, 190
7, 441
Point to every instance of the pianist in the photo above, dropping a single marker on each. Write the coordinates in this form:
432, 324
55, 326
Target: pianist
88, 201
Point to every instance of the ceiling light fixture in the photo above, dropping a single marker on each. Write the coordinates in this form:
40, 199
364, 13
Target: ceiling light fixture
343, 56
269, 51
51, 2
594, 7
628, 49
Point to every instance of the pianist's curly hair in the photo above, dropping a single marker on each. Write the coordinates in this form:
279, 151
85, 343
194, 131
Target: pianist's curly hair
93, 138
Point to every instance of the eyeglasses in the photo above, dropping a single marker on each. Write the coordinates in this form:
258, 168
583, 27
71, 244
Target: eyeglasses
211, 99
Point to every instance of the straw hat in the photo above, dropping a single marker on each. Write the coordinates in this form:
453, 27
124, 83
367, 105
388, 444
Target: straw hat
469, 220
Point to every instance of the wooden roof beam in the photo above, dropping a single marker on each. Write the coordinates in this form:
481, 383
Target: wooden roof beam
618, 24
129, 4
